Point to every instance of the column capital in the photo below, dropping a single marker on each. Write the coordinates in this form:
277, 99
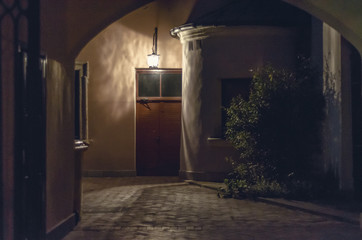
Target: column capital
189, 32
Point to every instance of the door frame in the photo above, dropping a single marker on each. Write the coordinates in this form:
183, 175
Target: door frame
151, 99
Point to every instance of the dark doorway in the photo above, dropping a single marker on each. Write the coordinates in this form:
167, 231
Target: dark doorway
158, 122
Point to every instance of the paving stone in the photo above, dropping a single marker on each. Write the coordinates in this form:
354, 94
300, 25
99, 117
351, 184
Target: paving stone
165, 208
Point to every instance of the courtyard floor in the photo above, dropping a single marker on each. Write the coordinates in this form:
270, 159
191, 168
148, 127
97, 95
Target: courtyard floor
166, 208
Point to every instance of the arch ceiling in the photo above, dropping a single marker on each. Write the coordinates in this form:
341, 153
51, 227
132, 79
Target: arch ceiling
345, 16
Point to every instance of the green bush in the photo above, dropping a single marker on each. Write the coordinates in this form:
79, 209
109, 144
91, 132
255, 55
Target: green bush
247, 181
276, 130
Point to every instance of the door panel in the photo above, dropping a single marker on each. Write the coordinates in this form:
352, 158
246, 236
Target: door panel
158, 138
170, 130
148, 138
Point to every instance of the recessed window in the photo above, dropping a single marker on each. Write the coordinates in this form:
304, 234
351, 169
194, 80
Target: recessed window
234, 87
230, 89
81, 101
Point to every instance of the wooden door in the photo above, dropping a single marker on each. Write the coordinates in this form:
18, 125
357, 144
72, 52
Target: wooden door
170, 130
158, 122
158, 131
147, 138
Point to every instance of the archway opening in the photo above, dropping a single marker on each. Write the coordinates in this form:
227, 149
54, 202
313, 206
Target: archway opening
115, 52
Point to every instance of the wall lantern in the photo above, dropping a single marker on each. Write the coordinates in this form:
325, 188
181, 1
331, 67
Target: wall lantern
152, 59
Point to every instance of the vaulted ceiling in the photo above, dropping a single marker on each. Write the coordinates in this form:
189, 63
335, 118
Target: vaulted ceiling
69, 24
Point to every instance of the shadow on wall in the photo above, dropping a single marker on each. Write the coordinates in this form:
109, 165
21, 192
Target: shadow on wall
115, 54
123, 46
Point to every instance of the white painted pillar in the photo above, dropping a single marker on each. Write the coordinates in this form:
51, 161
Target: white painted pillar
338, 155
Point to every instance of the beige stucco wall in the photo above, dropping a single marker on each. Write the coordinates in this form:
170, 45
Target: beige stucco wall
113, 56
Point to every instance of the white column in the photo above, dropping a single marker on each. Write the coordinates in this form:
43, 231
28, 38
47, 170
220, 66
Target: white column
338, 155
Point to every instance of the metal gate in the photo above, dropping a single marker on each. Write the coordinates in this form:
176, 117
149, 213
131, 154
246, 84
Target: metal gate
22, 122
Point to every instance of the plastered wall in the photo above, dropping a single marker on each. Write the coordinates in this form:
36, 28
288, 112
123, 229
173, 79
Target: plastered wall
65, 26
113, 56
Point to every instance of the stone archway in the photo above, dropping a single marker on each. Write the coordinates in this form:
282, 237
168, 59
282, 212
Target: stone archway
344, 16
332, 13
64, 41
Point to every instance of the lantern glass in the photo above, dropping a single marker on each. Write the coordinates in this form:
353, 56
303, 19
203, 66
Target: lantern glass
152, 60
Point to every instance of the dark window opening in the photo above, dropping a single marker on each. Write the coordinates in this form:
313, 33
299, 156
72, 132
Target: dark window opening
77, 101
81, 101
231, 88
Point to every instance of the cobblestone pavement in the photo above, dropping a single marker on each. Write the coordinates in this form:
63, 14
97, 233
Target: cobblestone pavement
165, 208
